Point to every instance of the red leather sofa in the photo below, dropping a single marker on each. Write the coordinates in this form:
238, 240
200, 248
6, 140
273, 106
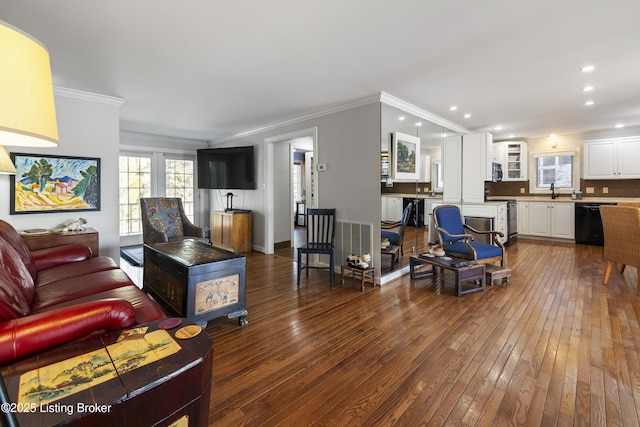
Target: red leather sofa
53, 296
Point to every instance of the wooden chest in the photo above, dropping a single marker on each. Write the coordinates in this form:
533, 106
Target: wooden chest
195, 280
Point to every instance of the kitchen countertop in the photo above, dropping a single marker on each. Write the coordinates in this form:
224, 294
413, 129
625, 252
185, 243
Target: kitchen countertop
566, 198
563, 198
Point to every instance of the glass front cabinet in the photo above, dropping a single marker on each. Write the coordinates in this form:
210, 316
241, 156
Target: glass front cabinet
515, 167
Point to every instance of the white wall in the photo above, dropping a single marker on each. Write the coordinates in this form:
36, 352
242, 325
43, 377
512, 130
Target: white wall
88, 125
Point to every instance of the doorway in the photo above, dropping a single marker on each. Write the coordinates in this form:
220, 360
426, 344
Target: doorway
280, 204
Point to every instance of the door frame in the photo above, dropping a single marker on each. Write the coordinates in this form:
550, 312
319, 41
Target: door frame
270, 178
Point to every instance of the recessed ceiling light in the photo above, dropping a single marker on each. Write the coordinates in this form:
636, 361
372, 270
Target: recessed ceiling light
512, 136
453, 108
419, 124
589, 103
587, 88
619, 125
587, 68
401, 118
466, 116
444, 135
497, 127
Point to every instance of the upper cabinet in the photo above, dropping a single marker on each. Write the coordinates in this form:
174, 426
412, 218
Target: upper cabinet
612, 159
477, 153
514, 166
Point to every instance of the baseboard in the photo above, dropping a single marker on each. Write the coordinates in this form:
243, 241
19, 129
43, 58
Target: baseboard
282, 245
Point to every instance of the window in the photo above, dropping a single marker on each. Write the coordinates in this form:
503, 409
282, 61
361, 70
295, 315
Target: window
557, 168
153, 175
135, 182
179, 183
437, 176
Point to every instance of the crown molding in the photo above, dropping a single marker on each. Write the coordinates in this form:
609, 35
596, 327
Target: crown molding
393, 101
307, 116
370, 99
88, 96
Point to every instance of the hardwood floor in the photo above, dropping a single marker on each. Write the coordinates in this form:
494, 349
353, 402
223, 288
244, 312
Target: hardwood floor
552, 347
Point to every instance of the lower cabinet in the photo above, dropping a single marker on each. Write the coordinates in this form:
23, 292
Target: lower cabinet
231, 231
551, 219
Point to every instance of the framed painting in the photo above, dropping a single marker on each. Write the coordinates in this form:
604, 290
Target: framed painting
46, 183
406, 150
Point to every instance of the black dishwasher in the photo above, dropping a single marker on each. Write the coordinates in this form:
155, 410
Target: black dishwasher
588, 225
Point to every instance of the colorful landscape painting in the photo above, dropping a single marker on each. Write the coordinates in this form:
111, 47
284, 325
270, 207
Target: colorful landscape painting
54, 184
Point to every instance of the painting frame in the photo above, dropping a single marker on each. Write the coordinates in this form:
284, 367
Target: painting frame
406, 156
71, 184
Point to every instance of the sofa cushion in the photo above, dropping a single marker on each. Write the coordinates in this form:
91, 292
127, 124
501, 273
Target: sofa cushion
165, 216
16, 272
78, 287
8, 233
145, 309
67, 271
12, 303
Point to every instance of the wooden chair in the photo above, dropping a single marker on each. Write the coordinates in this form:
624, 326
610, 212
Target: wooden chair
621, 226
321, 232
457, 243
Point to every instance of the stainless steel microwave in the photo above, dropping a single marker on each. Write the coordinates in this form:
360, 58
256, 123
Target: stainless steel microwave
496, 172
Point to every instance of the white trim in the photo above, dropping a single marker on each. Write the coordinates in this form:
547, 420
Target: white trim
382, 97
88, 96
533, 170
392, 101
269, 179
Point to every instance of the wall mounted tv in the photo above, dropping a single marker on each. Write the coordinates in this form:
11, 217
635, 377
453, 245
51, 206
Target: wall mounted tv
229, 168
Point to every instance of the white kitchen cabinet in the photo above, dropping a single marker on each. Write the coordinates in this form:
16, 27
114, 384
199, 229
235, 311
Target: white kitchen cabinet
612, 159
514, 167
476, 166
563, 220
452, 169
523, 218
549, 219
391, 208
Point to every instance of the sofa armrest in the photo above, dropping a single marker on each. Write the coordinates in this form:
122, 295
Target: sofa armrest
30, 335
58, 255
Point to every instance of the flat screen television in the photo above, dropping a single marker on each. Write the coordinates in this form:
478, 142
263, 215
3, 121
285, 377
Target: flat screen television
230, 168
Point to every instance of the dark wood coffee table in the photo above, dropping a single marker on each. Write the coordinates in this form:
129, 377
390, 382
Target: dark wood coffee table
465, 271
100, 383
195, 280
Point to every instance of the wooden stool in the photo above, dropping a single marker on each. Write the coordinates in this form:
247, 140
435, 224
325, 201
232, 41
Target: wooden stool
365, 273
495, 272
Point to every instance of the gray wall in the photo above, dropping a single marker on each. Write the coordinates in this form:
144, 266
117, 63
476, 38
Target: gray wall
349, 144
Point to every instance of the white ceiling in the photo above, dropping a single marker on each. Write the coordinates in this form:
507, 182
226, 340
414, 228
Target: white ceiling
207, 69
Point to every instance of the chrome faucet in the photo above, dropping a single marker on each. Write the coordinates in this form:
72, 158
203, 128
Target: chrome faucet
553, 192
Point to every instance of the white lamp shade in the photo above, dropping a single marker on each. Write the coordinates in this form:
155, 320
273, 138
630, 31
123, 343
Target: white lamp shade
6, 165
27, 109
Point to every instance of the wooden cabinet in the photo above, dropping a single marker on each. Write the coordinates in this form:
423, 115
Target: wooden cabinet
612, 159
89, 237
231, 231
548, 219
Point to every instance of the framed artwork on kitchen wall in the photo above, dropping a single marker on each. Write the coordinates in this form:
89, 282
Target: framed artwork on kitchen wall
406, 150
47, 183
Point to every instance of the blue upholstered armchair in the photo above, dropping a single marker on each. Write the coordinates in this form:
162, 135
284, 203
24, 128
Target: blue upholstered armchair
456, 242
396, 237
163, 220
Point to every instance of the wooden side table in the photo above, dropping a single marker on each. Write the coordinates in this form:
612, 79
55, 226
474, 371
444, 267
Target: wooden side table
89, 237
365, 273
